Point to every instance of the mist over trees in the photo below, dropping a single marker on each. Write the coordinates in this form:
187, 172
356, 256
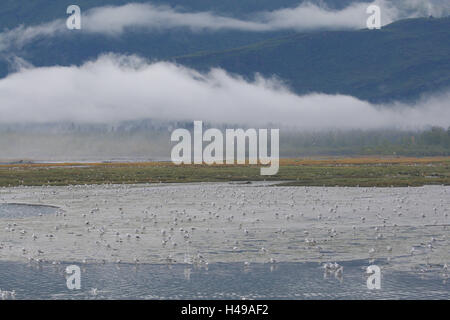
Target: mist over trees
150, 140
434, 141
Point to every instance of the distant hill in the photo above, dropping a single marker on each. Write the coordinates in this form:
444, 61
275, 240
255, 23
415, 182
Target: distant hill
78, 47
399, 62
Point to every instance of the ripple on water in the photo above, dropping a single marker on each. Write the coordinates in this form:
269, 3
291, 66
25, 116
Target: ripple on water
220, 281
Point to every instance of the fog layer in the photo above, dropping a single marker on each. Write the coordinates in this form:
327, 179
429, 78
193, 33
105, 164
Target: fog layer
117, 88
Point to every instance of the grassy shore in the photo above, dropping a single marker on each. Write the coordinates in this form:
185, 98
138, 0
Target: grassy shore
379, 172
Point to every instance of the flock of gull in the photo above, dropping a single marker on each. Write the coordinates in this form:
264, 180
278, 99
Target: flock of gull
199, 224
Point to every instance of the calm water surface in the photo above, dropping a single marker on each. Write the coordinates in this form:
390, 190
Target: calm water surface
220, 281
20, 210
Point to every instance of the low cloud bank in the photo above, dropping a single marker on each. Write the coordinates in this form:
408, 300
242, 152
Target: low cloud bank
115, 20
119, 88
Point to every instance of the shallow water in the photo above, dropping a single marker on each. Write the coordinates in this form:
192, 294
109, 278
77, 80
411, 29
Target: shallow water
21, 210
168, 228
220, 281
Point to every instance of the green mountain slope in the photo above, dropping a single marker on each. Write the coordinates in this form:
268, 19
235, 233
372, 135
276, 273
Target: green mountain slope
399, 62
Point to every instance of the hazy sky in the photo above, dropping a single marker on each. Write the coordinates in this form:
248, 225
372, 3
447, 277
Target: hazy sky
114, 88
